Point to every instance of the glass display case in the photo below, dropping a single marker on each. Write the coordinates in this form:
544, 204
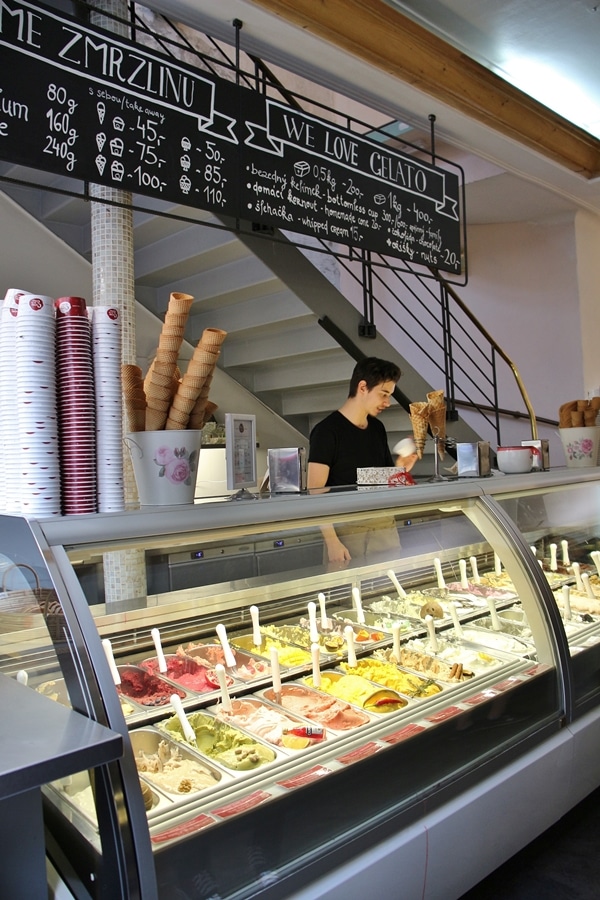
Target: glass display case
283, 717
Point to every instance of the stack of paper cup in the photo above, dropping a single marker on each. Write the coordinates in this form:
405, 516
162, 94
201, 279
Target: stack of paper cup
37, 440
10, 470
106, 353
77, 407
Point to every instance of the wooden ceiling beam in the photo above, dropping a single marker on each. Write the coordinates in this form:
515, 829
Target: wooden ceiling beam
373, 31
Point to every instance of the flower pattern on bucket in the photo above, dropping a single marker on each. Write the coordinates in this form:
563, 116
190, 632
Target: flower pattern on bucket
582, 449
176, 464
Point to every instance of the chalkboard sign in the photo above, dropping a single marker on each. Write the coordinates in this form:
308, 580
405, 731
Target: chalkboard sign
83, 102
307, 175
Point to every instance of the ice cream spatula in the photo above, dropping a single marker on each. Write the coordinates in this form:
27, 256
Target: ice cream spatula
188, 732
225, 698
227, 651
162, 663
400, 590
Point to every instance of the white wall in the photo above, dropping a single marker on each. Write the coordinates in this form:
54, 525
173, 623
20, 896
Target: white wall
587, 230
523, 287
34, 260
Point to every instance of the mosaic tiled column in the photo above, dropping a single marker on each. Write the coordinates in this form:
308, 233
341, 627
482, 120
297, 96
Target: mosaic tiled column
114, 285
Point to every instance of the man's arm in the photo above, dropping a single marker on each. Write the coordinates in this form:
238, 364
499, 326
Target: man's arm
316, 478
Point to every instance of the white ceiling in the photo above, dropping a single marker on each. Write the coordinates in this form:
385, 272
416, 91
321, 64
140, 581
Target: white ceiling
547, 48
506, 181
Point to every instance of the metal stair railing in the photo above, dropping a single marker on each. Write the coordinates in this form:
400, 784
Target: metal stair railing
439, 323
443, 330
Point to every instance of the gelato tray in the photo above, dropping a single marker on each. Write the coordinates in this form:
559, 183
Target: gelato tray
389, 675
290, 655
186, 671
479, 594
144, 688
330, 644
56, 689
360, 692
373, 622
269, 723
320, 708
497, 640
454, 661
247, 667
77, 791
171, 768
427, 664
221, 742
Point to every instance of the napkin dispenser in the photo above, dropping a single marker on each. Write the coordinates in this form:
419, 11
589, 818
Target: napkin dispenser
541, 459
287, 469
473, 459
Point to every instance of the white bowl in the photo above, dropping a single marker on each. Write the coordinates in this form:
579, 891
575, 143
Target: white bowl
514, 460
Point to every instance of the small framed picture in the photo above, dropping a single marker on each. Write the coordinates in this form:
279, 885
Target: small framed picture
240, 451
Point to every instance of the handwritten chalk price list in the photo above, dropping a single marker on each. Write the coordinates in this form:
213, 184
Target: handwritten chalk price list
62, 135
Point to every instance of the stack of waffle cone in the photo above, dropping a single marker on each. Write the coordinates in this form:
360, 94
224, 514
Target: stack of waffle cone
419, 413
134, 397
437, 419
201, 413
159, 381
193, 387
578, 413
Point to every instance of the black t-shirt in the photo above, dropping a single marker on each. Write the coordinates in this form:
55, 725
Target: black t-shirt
337, 443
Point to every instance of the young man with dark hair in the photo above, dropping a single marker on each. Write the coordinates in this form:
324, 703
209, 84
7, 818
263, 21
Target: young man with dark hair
352, 438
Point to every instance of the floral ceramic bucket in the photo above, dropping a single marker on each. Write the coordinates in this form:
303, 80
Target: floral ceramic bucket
581, 445
165, 464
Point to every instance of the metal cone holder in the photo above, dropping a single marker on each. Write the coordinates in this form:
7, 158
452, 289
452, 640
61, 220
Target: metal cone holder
448, 442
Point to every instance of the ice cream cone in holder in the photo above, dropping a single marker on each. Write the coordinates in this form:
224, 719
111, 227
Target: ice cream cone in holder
418, 417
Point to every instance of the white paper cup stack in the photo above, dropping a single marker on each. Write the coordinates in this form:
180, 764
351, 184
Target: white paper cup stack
106, 352
10, 483
76, 404
37, 444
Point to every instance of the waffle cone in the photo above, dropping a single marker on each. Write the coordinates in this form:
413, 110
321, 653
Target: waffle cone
204, 357
202, 413
155, 419
188, 391
160, 392
564, 413
418, 418
180, 303
131, 373
167, 357
170, 343
209, 411
436, 399
160, 380
176, 320
136, 416
176, 421
213, 337
198, 369
183, 404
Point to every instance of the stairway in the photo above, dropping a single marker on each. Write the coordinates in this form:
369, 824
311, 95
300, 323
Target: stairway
267, 294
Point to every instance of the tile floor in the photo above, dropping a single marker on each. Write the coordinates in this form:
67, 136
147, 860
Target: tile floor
563, 863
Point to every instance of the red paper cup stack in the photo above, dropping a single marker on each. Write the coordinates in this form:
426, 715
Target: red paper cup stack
76, 406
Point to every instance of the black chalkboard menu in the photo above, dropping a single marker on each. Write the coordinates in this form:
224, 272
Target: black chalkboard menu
83, 102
